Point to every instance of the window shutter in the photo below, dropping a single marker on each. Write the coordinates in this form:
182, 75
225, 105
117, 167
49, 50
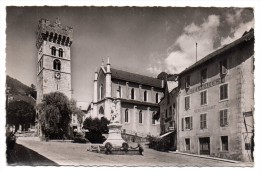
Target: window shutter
225, 121
201, 122
182, 124
221, 118
191, 123
205, 120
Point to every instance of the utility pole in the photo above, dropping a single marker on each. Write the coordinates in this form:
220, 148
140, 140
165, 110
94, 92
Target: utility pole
196, 52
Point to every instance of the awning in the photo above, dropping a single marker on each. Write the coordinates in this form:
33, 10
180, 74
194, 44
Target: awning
165, 134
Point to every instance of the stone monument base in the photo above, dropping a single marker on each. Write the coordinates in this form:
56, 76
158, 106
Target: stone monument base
114, 135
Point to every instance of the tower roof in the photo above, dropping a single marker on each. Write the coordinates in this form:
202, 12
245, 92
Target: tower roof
53, 32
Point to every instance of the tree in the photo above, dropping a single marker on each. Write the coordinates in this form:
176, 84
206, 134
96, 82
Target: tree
20, 112
96, 128
55, 114
32, 91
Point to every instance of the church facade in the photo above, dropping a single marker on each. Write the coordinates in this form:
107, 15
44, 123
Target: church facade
132, 97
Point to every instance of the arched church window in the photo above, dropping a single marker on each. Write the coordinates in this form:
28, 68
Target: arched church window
101, 110
140, 117
53, 51
60, 52
101, 92
132, 93
126, 115
145, 96
56, 64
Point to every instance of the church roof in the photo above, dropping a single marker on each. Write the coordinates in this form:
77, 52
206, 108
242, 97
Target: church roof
136, 78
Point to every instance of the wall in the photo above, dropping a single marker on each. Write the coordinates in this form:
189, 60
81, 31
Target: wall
240, 84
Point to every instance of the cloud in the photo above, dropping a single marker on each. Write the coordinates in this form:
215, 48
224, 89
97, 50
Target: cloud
155, 70
203, 34
238, 27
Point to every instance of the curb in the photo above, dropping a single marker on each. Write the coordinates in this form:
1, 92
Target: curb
206, 157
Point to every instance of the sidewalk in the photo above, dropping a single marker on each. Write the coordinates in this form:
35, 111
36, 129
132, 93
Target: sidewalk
249, 164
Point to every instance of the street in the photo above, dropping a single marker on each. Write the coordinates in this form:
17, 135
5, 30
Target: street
30, 151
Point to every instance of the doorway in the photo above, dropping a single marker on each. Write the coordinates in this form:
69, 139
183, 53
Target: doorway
204, 144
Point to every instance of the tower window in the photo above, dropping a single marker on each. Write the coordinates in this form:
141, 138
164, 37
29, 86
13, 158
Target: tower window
60, 52
157, 98
56, 64
126, 116
132, 93
140, 117
145, 96
119, 91
53, 51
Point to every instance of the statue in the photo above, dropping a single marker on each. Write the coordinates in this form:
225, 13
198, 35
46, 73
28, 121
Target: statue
114, 113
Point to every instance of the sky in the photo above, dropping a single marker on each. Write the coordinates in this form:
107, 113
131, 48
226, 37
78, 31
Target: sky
142, 40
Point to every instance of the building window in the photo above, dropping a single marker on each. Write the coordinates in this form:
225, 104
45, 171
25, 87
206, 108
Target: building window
203, 74
187, 102
203, 97
223, 67
120, 91
126, 116
101, 110
187, 81
101, 92
223, 116
133, 93
188, 123
203, 121
60, 52
53, 51
187, 143
157, 98
223, 91
56, 64
145, 96
224, 143
140, 117
170, 111
166, 113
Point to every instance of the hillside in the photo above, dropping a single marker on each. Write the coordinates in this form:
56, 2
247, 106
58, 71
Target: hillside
20, 91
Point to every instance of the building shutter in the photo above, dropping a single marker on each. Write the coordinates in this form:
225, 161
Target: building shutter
191, 123
225, 120
205, 121
201, 122
182, 124
221, 118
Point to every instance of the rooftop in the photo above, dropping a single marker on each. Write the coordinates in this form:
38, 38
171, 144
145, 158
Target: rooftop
246, 37
136, 78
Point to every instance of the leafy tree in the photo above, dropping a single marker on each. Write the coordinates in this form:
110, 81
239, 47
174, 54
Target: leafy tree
96, 128
20, 112
55, 114
32, 91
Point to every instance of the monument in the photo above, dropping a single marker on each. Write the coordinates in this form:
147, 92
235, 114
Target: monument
114, 135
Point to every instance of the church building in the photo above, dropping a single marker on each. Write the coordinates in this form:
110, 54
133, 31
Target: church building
133, 97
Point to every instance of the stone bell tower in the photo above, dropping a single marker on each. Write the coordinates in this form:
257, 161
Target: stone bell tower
54, 61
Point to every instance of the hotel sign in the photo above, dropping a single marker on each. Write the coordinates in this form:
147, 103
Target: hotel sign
206, 85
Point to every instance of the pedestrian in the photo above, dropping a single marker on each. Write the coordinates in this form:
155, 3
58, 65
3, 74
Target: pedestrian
141, 149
